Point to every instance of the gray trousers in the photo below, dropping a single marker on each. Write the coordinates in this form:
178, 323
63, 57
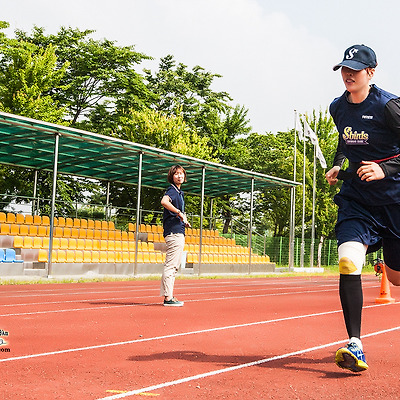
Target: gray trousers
175, 244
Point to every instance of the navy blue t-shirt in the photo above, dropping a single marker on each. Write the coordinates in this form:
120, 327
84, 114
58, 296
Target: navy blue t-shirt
365, 135
171, 222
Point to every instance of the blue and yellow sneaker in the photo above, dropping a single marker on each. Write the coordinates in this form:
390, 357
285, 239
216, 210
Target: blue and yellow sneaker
351, 357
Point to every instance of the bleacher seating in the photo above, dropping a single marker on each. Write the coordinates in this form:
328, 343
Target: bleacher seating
78, 240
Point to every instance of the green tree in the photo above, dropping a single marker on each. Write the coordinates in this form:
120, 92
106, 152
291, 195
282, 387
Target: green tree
99, 73
28, 75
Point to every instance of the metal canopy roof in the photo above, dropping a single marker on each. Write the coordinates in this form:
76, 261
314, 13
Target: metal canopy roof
30, 143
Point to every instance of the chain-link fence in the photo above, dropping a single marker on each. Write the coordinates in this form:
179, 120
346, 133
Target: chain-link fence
277, 248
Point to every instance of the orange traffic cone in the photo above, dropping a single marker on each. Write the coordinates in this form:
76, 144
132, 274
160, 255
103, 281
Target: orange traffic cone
385, 296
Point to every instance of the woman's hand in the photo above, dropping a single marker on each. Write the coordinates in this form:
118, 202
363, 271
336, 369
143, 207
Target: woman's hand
331, 175
370, 171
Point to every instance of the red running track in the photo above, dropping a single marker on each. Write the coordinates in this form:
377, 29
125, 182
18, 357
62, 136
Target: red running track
247, 338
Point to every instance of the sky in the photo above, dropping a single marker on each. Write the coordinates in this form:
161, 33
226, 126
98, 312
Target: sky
275, 57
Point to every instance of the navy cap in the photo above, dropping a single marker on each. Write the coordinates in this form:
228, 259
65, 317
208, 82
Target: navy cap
358, 57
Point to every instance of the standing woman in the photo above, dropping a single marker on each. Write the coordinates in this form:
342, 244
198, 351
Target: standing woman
368, 121
174, 223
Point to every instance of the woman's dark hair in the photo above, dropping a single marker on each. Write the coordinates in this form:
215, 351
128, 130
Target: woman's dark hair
172, 171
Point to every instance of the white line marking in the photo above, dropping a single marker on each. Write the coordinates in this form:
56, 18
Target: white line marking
149, 304
236, 367
152, 296
175, 335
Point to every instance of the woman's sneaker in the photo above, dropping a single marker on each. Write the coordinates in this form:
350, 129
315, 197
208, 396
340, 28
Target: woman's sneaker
173, 302
351, 357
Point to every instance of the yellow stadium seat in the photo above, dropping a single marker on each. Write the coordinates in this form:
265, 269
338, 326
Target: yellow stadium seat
159, 257
111, 226
118, 245
118, 235
125, 246
45, 220
28, 219
82, 233
69, 222
144, 257
37, 242
33, 230
143, 246
18, 242
131, 256
46, 242
37, 219
70, 256
28, 242
61, 221
72, 244
97, 224
61, 256
63, 243
153, 257
142, 228
88, 244
79, 256
58, 231
96, 234
56, 243
150, 246
89, 233
5, 229
110, 245
95, 256
150, 236
124, 235
11, 218
43, 256
131, 236
131, 227
104, 234
90, 224
87, 256
67, 232
76, 223
103, 245
125, 257
118, 256
42, 230
80, 244
75, 233
14, 230
96, 244
103, 257
19, 218
104, 225
84, 223
24, 230
3, 217
111, 235
131, 246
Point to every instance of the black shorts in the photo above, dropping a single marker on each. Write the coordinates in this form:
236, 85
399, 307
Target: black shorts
374, 226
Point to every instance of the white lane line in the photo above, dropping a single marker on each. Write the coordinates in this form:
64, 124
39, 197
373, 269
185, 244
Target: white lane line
152, 304
76, 291
236, 367
175, 335
150, 296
